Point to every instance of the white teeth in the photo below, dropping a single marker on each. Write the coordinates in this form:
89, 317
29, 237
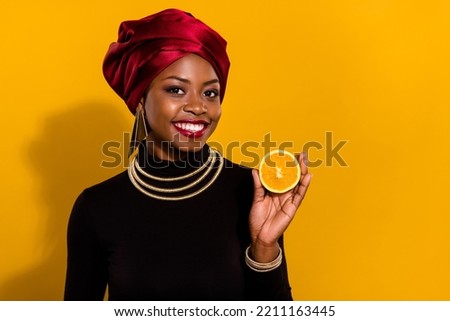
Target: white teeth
190, 127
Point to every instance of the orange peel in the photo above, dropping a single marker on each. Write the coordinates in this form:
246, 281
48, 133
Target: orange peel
279, 171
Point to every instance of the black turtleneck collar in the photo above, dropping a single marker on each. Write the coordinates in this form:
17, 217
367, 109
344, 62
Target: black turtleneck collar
151, 163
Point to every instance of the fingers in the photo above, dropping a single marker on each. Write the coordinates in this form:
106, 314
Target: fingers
279, 209
301, 189
303, 160
297, 195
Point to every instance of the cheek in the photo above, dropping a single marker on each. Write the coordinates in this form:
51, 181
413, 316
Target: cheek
152, 116
217, 114
158, 114
215, 117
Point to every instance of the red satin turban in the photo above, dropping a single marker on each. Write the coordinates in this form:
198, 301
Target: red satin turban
147, 46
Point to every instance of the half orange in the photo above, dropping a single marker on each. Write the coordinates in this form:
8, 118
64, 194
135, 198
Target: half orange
279, 171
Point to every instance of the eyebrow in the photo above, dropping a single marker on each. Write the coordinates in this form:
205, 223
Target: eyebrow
209, 82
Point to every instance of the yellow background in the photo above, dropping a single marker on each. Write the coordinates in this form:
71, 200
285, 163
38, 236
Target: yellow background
373, 72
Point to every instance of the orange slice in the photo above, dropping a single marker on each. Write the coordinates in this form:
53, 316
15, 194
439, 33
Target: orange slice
279, 171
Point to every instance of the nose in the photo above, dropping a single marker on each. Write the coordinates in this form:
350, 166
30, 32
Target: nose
195, 105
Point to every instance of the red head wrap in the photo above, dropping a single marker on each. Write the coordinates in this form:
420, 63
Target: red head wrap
147, 46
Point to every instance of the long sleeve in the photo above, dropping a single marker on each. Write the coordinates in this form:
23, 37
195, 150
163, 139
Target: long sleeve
272, 285
86, 265
267, 286
150, 249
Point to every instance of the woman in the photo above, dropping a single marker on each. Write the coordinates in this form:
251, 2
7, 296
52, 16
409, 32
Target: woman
182, 223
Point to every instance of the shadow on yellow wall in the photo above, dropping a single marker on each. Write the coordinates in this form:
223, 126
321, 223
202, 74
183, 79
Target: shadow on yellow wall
66, 158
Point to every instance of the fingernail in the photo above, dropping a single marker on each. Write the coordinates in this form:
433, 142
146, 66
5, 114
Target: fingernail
305, 158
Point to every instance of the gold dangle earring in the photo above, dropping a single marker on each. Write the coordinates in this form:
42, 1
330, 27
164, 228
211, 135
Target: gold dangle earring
140, 131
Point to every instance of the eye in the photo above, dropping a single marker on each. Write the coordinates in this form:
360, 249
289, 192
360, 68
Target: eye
175, 90
211, 93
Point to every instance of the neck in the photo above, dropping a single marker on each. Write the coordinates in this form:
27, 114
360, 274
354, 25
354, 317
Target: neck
167, 152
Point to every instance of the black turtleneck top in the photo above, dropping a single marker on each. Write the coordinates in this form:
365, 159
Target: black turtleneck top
149, 249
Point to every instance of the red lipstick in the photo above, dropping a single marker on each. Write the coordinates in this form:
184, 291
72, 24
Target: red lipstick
191, 128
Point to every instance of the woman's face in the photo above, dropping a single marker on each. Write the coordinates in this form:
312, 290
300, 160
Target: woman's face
182, 107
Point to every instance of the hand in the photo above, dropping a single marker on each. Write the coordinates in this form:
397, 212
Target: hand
272, 213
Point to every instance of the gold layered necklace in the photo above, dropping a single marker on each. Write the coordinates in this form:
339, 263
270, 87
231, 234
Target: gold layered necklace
188, 185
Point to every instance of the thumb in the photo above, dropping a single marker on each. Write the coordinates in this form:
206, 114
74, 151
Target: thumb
259, 192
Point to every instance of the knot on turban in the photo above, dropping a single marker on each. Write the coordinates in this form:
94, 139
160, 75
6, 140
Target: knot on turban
147, 46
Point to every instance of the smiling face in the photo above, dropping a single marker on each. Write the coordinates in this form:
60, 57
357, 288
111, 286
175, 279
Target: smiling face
182, 107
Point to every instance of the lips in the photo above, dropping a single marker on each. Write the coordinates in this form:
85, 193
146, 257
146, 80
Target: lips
191, 128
